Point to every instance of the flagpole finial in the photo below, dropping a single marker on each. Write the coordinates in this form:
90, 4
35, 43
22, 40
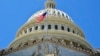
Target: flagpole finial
50, 4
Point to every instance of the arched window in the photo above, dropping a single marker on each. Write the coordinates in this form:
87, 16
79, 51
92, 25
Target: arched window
62, 27
66, 16
56, 27
54, 12
25, 31
58, 13
62, 14
68, 29
42, 27
73, 31
30, 29
49, 26
36, 27
51, 5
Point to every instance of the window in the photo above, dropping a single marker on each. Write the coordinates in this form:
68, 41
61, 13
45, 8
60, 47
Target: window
58, 13
68, 29
62, 14
30, 29
54, 12
56, 27
42, 27
53, 6
62, 27
36, 27
50, 5
25, 31
66, 16
49, 26
73, 31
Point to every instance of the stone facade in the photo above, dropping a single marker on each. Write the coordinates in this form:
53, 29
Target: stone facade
57, 35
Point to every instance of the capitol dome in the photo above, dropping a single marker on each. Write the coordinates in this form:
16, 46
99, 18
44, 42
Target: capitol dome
56, 35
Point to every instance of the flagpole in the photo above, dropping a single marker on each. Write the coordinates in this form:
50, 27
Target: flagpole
46, 45
47, 25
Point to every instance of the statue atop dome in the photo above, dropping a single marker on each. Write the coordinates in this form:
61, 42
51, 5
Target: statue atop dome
50, 4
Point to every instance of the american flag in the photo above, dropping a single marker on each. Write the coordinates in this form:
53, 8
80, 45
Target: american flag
41, 17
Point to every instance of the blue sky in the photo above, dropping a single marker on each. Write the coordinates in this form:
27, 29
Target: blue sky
14, 13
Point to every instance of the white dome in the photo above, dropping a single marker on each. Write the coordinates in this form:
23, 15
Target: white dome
53, 12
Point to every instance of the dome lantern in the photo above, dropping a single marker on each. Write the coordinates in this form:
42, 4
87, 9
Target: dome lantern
50, 4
